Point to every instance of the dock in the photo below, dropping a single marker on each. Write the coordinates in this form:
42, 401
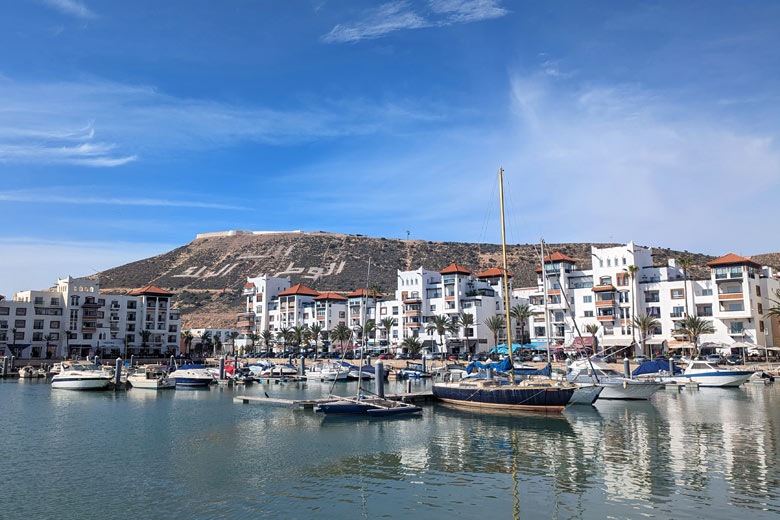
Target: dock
309, 404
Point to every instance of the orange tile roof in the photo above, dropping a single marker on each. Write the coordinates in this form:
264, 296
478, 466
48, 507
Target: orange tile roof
732, 259
455, 269
151, 290
493, 271
300, 290
330, 296
363, 292
250, 284
559, 257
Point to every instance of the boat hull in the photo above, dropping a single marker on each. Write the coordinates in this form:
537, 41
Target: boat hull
151, 384
192, 382
586, 395
629, 391
724, 379
80, 383
506, 398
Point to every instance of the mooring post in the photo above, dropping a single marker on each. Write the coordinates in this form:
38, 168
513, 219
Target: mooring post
627, 368
489, 374
132, 360
171, 361
423, 363
671, 366
380, 381
13, 363
409, 386
222, 367
118, 373
302, 368
5, 367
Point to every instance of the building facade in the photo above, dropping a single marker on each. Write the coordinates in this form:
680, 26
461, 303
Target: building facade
76, 319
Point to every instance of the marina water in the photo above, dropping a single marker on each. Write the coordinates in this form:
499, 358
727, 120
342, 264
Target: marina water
711, 453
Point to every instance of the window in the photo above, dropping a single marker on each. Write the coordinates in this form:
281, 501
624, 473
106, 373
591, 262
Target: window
4, 311
678, 294
19, 336
677, 312
760, 325
3, 324
37, 336
609, 262
658, 330
587, 299
655, 312
21, 311
622, 279
623, 297
760, 307
601, 262
54, 301
39, 300
588, 314
737, 327
88, 335
624, 260
342, 314
38, 324
74, 300
395, 310
605, 280
735, 307
706, 292
20, 324
651, 297
609, 331
433, 307
758, 290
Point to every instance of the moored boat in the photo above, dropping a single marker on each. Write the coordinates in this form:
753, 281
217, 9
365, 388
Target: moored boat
616, 385
327, 372
709, 374
153, 377
544, 395
77, 376
191, 376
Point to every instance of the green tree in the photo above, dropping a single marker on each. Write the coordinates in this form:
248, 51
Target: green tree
186, 335
521, 312
145, 335
695, 327
466, 321
774, 311
368, 329
633, 272
412, 345
285, 335
495, 324
316, 331
646, 324
593, 329
267, 337
441, 325
233, 336
299, 333
387, 324
685, 262
48, 338
341, 334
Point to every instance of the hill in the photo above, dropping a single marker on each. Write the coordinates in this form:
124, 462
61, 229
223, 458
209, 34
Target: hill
208, 273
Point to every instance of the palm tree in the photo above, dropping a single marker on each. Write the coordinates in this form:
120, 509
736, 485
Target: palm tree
254, 338
285, 335
646, 325
316, 330
412, 345
685, 262
145, 335
267, 337
217, 346
495, 324
387, 324
233, 336
13, 342
441, 325
299, 335
342, 334
205, 340
592, 329
633, 271
694, 327
521, 313
466, 321
368, 328
187, 336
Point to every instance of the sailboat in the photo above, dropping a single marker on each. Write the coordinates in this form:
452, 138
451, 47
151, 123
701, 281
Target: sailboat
544, 395
373, 406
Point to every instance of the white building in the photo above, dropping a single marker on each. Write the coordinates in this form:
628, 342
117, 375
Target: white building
733, 298
76, 319
223, 335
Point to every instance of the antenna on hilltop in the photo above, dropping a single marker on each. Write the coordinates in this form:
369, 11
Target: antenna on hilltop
407, 234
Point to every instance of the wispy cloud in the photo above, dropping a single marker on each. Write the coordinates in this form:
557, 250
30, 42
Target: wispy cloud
72, 8
400, 15
47, 123
44, 197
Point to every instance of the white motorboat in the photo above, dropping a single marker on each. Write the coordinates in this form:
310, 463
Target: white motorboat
191, 376
153, 377
327, 372
279, 371
80, 376
586, 394
29, 372
616, 385
709, 374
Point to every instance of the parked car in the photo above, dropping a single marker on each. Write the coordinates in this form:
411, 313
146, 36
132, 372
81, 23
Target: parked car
660, 358
639, 359
734, 359
538, 358
385, 356
402, 356
715, 358
609, 359
482, 356
464, 356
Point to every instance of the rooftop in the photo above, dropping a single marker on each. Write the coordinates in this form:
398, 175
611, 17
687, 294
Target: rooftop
732, 259
330, 296
455, 269
300, 290
493, 272
150, 290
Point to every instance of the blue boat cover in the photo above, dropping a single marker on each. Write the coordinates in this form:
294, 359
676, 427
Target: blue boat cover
190, 367
653, 367
546, 371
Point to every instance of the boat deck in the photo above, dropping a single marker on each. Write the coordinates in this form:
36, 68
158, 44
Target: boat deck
309, 404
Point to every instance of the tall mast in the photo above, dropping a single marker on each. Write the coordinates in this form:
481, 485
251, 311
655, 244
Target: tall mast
546, 313
506, 275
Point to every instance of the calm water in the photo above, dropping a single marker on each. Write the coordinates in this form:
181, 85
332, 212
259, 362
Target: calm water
176, 454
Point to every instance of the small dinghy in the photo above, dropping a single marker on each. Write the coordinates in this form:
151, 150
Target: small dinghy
371, 406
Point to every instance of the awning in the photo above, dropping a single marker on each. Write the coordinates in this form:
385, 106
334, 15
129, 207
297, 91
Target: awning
585, 341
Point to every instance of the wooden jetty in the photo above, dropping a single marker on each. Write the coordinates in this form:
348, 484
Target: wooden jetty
309, 404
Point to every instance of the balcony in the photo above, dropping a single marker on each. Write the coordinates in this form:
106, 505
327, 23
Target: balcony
605, 318
605, 303
676, 315
730, 296
412, 300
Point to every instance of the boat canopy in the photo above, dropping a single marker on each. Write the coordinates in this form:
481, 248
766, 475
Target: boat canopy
653, 367
534, 345
506, 366
190, 367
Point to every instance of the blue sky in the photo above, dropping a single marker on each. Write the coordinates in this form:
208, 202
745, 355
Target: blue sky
127, 127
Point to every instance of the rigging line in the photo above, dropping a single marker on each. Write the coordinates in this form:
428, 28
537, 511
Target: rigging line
508, 219
513, 200
483, 230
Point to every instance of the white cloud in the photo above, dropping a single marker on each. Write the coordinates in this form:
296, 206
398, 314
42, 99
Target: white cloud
72, 8
401, 15
62, 122
46, 196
